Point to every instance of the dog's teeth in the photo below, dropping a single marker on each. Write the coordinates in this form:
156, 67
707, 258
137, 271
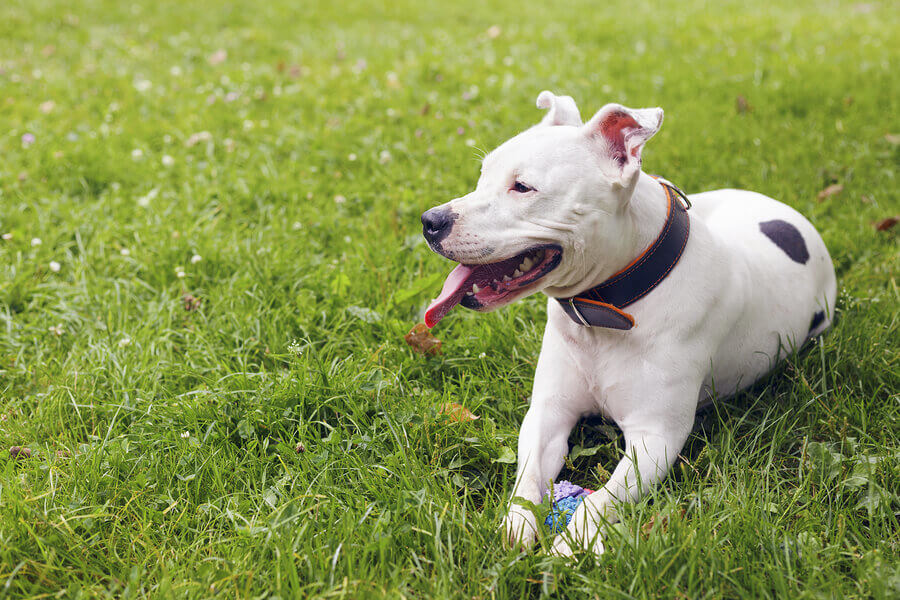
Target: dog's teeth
506, 278
526, 264
475, 289
470, 293
517, 273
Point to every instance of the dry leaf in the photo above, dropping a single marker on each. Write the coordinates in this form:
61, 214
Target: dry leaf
191, 302
456, 412
742, 105
831, 190
893, 138
422, 340
19, 452
885, 224
647, 527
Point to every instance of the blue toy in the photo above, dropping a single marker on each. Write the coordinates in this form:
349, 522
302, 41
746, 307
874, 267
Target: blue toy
566, 498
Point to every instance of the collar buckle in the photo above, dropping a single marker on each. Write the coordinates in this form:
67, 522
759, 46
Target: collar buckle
578, 312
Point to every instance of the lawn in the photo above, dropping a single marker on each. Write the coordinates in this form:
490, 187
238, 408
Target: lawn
212, 251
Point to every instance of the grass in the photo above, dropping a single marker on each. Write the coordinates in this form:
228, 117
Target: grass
164, 413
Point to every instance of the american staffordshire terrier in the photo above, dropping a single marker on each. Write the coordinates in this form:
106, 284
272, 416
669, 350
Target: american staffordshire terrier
653, 309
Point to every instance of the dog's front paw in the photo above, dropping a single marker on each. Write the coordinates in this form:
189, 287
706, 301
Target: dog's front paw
520, 527
567, 545
582, 535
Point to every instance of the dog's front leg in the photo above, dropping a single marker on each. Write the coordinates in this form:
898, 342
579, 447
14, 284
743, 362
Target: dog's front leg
651, 448
559, 398
542, 448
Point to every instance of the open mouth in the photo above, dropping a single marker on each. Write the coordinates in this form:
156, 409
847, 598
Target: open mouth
484, 286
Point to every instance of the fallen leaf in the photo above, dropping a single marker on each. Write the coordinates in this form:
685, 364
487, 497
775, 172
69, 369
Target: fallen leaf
893, 138
456, 412
18, 452
885, 224
191, 302
422, 340
742, 105
831, 190
647, 527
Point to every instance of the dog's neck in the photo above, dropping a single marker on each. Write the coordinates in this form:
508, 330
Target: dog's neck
645, 217
642, 220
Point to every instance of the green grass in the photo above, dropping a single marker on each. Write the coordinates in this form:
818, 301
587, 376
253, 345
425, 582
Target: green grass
164, 440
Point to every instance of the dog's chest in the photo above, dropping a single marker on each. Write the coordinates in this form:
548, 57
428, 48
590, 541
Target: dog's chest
609, 363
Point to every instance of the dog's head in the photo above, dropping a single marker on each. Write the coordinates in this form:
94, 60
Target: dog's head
548, 205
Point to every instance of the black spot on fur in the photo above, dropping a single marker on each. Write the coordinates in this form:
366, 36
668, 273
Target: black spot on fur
788, 238
816, 320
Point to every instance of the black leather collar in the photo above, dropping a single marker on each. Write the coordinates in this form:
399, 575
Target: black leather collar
601, 306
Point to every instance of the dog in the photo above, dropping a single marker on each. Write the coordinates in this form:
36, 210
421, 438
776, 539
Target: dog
657, 302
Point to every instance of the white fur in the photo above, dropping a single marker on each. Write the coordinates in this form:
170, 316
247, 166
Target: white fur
733, 307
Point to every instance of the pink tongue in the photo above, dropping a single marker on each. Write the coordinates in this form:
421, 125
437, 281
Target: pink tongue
454, 289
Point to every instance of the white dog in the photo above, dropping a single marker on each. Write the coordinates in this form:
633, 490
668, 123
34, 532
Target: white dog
653, 310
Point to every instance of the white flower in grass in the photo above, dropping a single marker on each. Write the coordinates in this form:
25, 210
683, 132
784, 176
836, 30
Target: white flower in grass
125, 341
125, 252
179, 272
196, 138
143, 85
36, 241
195, 259
55, 266
295, 348
56, 330
167, 160
145, 200
384, 157
185, 434
7, 236
137, 154
339, 199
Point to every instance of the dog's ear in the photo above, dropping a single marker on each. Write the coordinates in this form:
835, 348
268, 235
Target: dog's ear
563, 110
621, 134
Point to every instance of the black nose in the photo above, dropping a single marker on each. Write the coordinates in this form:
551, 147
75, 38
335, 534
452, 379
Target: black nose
436, 224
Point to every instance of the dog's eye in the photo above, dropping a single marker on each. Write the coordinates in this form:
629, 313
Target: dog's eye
521, 188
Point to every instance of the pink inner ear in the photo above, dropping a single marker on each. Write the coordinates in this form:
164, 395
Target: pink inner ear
612, 129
